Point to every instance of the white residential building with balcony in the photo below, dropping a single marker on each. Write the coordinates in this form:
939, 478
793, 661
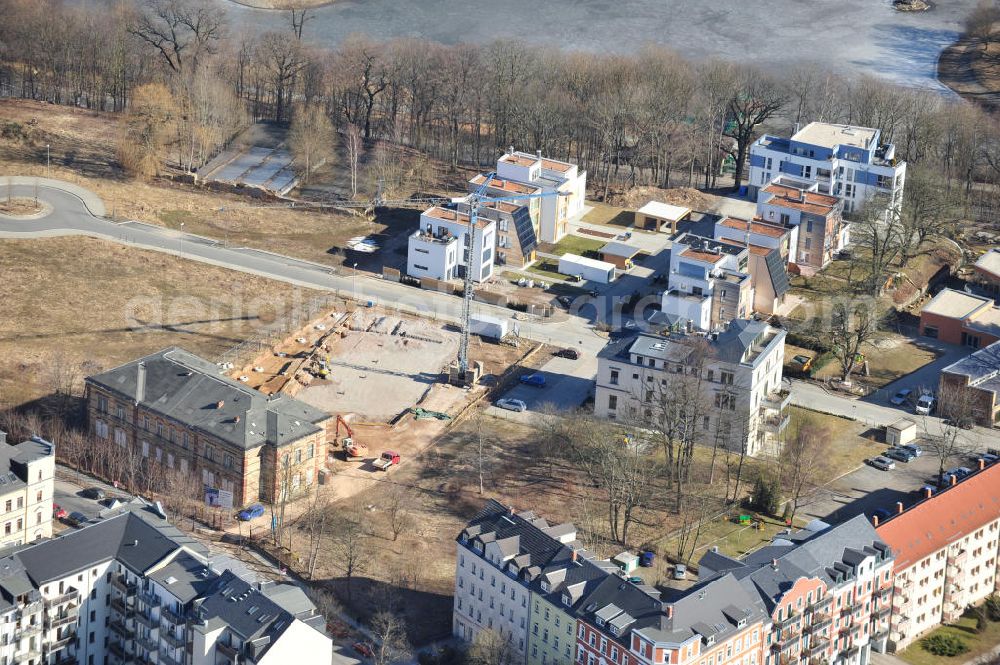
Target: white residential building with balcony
736, 375
708, 285
845, 161
134, 589
545, 175
440, 248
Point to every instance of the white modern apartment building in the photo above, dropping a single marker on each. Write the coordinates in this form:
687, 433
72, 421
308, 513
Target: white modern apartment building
947, 547
27, 471
708, 285
133, 589
440, 248
845, 161
733, 377
535, 174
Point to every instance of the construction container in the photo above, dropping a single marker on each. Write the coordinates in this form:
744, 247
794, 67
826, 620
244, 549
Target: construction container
489, 327
590, 270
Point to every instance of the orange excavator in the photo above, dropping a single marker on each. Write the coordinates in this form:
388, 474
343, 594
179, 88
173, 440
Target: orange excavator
353, 451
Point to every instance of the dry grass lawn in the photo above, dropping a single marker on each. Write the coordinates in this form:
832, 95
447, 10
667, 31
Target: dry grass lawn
16, 206
82, 151
96, 304
895, 356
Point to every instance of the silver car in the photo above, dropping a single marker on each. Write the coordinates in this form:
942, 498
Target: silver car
512, 404
881, 463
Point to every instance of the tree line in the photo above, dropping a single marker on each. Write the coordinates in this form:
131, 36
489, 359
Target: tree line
653, 118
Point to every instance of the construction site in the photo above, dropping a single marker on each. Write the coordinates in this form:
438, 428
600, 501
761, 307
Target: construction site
385, 375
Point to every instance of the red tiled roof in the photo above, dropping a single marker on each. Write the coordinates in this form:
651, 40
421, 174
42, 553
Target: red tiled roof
757, 226
944, 518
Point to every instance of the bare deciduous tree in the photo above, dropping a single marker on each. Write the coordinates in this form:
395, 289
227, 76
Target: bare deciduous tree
311, 137
182, 32
391, 645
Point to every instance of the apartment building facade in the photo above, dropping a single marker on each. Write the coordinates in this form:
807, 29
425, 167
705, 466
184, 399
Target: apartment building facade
708, 284
443, 247
848, 162
133, 589
500, 559
818, 229
566, 183
941, 570
180, 413
730, 382
826, 591
27, 476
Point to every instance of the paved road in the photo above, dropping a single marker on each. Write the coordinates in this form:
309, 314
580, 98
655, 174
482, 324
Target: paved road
71, 216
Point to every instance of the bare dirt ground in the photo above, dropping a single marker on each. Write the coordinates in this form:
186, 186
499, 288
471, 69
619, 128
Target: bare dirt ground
77, 305
972, 71
19, 207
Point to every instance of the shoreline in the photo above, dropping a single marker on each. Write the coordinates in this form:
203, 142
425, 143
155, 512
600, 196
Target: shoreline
955, 71
251, 4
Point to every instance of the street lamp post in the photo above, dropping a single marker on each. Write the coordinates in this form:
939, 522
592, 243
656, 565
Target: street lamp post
355, 279
180, 239
48, 154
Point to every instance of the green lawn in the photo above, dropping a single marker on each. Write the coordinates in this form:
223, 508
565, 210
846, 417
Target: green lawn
546, 268
731, 538
979, 644
576, 245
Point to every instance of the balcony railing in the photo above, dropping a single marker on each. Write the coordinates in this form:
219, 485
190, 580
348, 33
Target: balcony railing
63, 598
819, 623
148, 598
30, 608
777, 401
167, 658
147, 620
776, 424
121, 606
226, 650
120, 628
129, 589
171, 616
118, 649
61, 643
172, 640
150, 645
27, 630
56, 621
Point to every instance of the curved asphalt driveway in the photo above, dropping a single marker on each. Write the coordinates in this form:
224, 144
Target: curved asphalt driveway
77, 211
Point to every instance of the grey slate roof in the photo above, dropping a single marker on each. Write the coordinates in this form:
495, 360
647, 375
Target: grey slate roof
186, 577
771, 570
244, 609
137, 538
189, 390
731, 345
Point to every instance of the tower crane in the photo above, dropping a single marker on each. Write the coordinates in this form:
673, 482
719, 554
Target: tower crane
474, 201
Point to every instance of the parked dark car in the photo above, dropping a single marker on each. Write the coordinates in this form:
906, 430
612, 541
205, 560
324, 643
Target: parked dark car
899, 454
536, 380
77, 519
913, 448
881, 514
95, 493
646, 559
572, 354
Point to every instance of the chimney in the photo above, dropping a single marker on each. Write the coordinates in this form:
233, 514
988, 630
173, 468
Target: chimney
954, 479
236, 418
140, 382
982, 464
272, 426
899, 507
538, 153
774, 564
510, 150
221, 403
928, 491
573, 555
3, 437
670, 611
874, 520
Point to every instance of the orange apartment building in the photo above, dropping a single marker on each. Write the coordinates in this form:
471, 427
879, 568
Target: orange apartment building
946, 548
179, 412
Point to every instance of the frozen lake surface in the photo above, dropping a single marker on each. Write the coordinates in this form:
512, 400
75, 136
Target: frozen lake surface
846, 35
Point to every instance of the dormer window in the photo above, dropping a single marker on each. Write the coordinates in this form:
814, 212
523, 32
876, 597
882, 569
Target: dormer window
614, 630
545, 586
599, 621
464, 539
479, 546
567, 600
741, 623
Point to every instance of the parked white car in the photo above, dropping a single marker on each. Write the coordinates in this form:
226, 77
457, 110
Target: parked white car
925, 405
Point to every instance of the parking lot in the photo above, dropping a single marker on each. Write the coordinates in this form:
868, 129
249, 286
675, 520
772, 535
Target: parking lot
867, 489
567, 386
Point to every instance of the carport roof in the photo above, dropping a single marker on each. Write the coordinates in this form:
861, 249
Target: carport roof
619, 249
665, 211
949, 515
